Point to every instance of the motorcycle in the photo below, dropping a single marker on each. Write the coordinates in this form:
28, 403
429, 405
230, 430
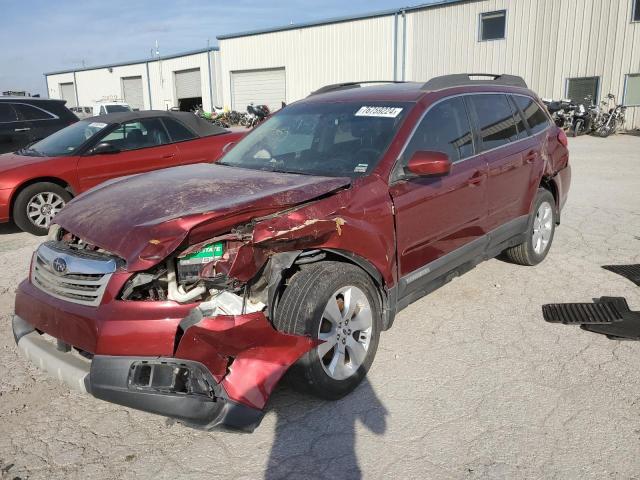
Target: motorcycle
256, 115
613, 119
562, 112
585, 117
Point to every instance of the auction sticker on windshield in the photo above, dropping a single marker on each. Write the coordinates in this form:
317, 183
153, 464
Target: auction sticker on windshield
386, 112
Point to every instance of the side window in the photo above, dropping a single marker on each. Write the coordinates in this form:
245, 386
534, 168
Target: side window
445, 128
7, 114
138, 134
494, 120
534, 115
521, 126
28, 112
177, 131
103, 111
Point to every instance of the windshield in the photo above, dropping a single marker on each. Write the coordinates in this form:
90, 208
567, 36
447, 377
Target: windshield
65, 141
117, 108
328, 139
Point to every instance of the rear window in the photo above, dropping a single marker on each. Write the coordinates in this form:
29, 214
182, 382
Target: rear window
177, 131
7, 114
117, 108
494, 119
29, 112
534, 115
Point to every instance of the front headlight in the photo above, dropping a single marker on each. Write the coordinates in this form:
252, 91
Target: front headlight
54, 233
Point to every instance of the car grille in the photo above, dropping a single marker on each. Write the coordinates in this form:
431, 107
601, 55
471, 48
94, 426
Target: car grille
72, 275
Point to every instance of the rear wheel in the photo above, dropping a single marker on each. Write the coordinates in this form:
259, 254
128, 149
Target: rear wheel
36, 205
542, 224
337, 304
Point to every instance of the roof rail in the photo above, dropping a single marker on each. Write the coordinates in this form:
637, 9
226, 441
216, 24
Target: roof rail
348, 85
465, 79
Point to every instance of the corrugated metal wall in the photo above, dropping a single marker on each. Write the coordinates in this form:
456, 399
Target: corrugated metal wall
313, 57
102, 84
547, 42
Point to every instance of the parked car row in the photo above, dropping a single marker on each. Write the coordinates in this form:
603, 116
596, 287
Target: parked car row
190, 291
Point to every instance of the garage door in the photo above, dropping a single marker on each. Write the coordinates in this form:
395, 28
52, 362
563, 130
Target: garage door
132, 92
258, 87
68, 93
188, 83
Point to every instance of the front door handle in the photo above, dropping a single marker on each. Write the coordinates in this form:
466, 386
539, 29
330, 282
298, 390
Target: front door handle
531, 156
475, 179
169, 155
26, 129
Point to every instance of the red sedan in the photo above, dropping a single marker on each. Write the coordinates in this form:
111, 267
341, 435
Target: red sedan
37, 181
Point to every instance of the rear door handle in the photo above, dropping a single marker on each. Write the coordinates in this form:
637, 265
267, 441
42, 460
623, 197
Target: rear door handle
531, 157
169, 155
26, 129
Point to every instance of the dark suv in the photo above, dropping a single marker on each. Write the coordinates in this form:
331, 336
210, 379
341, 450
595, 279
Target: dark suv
24, 120
190, 291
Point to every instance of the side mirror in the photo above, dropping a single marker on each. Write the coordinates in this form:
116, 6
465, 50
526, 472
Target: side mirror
429, 164
228, 147
104, 148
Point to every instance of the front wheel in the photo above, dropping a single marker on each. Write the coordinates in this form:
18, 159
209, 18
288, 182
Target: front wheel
338, 304
37, 204
540, 231
578, 128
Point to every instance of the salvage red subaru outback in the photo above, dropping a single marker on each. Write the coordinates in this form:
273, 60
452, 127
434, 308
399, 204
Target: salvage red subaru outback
189, 292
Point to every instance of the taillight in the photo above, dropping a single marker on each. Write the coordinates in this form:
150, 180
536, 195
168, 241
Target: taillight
562, 138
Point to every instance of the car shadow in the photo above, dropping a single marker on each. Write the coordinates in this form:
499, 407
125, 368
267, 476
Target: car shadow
10, 227
316, 438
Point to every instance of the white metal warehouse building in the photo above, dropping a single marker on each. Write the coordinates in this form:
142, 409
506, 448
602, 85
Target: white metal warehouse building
562, 48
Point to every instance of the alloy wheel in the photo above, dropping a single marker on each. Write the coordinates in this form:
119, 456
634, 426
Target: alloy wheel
42, 207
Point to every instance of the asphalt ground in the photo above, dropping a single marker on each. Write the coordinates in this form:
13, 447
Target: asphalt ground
469, 383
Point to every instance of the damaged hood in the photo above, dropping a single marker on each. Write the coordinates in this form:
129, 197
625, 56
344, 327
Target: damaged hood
143, 218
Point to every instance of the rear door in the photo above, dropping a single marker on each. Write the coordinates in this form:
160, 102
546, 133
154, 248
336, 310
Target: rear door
144, 146
14, 134
40, 121
438, 220
509, 158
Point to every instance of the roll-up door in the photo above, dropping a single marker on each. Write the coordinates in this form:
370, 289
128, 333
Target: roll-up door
68, 93
188, 83
259, 87
132, 92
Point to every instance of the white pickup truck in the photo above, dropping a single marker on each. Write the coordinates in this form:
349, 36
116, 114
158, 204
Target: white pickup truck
110, 107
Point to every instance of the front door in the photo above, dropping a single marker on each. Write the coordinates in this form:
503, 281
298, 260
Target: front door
142, 146
438, 217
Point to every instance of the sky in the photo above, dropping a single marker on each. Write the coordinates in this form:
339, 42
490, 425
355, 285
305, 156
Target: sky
39, 36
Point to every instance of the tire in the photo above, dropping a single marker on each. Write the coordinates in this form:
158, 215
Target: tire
531, 252
52, 197
311, 298
578, 128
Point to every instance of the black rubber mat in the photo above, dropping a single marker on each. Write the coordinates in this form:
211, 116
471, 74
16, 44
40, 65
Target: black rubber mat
608, 316
630, 272
581, 313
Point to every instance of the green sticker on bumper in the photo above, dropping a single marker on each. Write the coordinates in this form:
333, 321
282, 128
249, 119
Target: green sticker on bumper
205, 255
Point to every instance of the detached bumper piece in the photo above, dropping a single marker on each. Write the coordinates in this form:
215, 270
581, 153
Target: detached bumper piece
608, 316
630, 272
181, 389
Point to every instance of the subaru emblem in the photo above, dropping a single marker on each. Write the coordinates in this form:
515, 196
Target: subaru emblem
59, 266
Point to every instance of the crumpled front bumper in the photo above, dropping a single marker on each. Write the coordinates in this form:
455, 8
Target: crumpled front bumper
110, 378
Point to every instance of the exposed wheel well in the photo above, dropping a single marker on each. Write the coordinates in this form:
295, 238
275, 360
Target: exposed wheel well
33, 181
312, 256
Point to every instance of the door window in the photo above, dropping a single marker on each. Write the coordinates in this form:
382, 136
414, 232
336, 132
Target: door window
177, 131
445, 128
494, 120
521, 126
144, 133
7, 114
534, 115
29, 112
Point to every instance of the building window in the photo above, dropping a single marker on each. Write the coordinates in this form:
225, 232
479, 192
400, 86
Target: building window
636, 11
632, 90
583, 90
493, 25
